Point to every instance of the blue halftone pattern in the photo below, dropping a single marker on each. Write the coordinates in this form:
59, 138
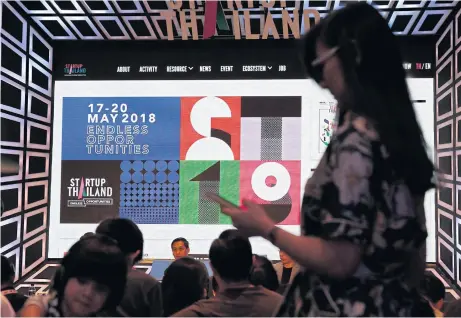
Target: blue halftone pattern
149, 191
150, 215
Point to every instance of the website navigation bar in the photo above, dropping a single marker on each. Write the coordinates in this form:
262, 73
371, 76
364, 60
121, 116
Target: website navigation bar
200, 68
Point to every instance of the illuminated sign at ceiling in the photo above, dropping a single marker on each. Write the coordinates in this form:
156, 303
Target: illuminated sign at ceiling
200, 19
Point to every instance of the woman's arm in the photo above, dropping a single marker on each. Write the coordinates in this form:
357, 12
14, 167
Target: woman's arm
32, 310
341, 198
345, 217
35, 306
338, 259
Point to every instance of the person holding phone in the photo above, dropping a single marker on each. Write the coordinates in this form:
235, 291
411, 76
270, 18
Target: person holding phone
362, 218
16, 299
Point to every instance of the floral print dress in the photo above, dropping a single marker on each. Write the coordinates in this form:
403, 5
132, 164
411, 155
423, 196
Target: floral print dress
354, 196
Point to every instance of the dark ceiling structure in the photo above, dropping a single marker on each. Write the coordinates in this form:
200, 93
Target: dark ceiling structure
143, 19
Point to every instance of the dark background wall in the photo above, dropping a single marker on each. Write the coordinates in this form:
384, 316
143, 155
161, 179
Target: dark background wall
448, 148
26, 123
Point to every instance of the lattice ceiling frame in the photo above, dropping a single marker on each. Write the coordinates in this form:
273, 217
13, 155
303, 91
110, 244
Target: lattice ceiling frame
156, 27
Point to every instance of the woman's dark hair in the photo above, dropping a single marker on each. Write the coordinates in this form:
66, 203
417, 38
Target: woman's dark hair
309, 48
127, 234
432, 288
184, 283
98, 258
376, 86
8, 271
263, 273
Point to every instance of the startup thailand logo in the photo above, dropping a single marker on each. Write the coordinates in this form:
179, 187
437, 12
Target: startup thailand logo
74, 70
85, 192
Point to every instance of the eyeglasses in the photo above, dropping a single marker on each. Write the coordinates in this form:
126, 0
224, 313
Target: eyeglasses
317, 64
319, 61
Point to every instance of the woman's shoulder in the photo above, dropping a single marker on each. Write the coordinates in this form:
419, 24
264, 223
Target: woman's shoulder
362, 124
354, 134
354, 124
357, 133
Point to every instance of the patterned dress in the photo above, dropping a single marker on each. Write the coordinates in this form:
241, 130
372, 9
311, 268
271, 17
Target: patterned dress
354, 196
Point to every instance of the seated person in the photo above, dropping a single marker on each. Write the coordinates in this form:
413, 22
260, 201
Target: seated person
90, 280
184, 283
180, 247
231, 261
286, 270
263, 273
434, 291
86, 235
16, 299
142, 297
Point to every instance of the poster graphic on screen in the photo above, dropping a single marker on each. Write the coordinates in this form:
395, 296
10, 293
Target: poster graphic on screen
210, 128
153, 159
120, 128
327, 124
201, 177
275, 185
89, 191
149, 191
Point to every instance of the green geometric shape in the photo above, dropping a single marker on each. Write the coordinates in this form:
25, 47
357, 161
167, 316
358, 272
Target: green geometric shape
229, 187
221, 20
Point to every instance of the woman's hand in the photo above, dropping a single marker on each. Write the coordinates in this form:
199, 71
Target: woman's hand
254, 221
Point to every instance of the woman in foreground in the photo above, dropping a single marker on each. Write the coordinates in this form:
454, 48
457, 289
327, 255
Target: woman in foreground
90, 281
363, 222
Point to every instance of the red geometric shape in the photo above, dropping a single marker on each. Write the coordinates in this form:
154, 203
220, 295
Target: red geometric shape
292, 217
221, 127
211, 12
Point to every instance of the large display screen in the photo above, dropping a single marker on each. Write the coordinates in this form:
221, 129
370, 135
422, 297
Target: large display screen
151, 150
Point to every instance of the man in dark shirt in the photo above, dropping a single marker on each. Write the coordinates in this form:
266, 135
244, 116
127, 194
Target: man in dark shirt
231, 259
16, 300
142, 297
